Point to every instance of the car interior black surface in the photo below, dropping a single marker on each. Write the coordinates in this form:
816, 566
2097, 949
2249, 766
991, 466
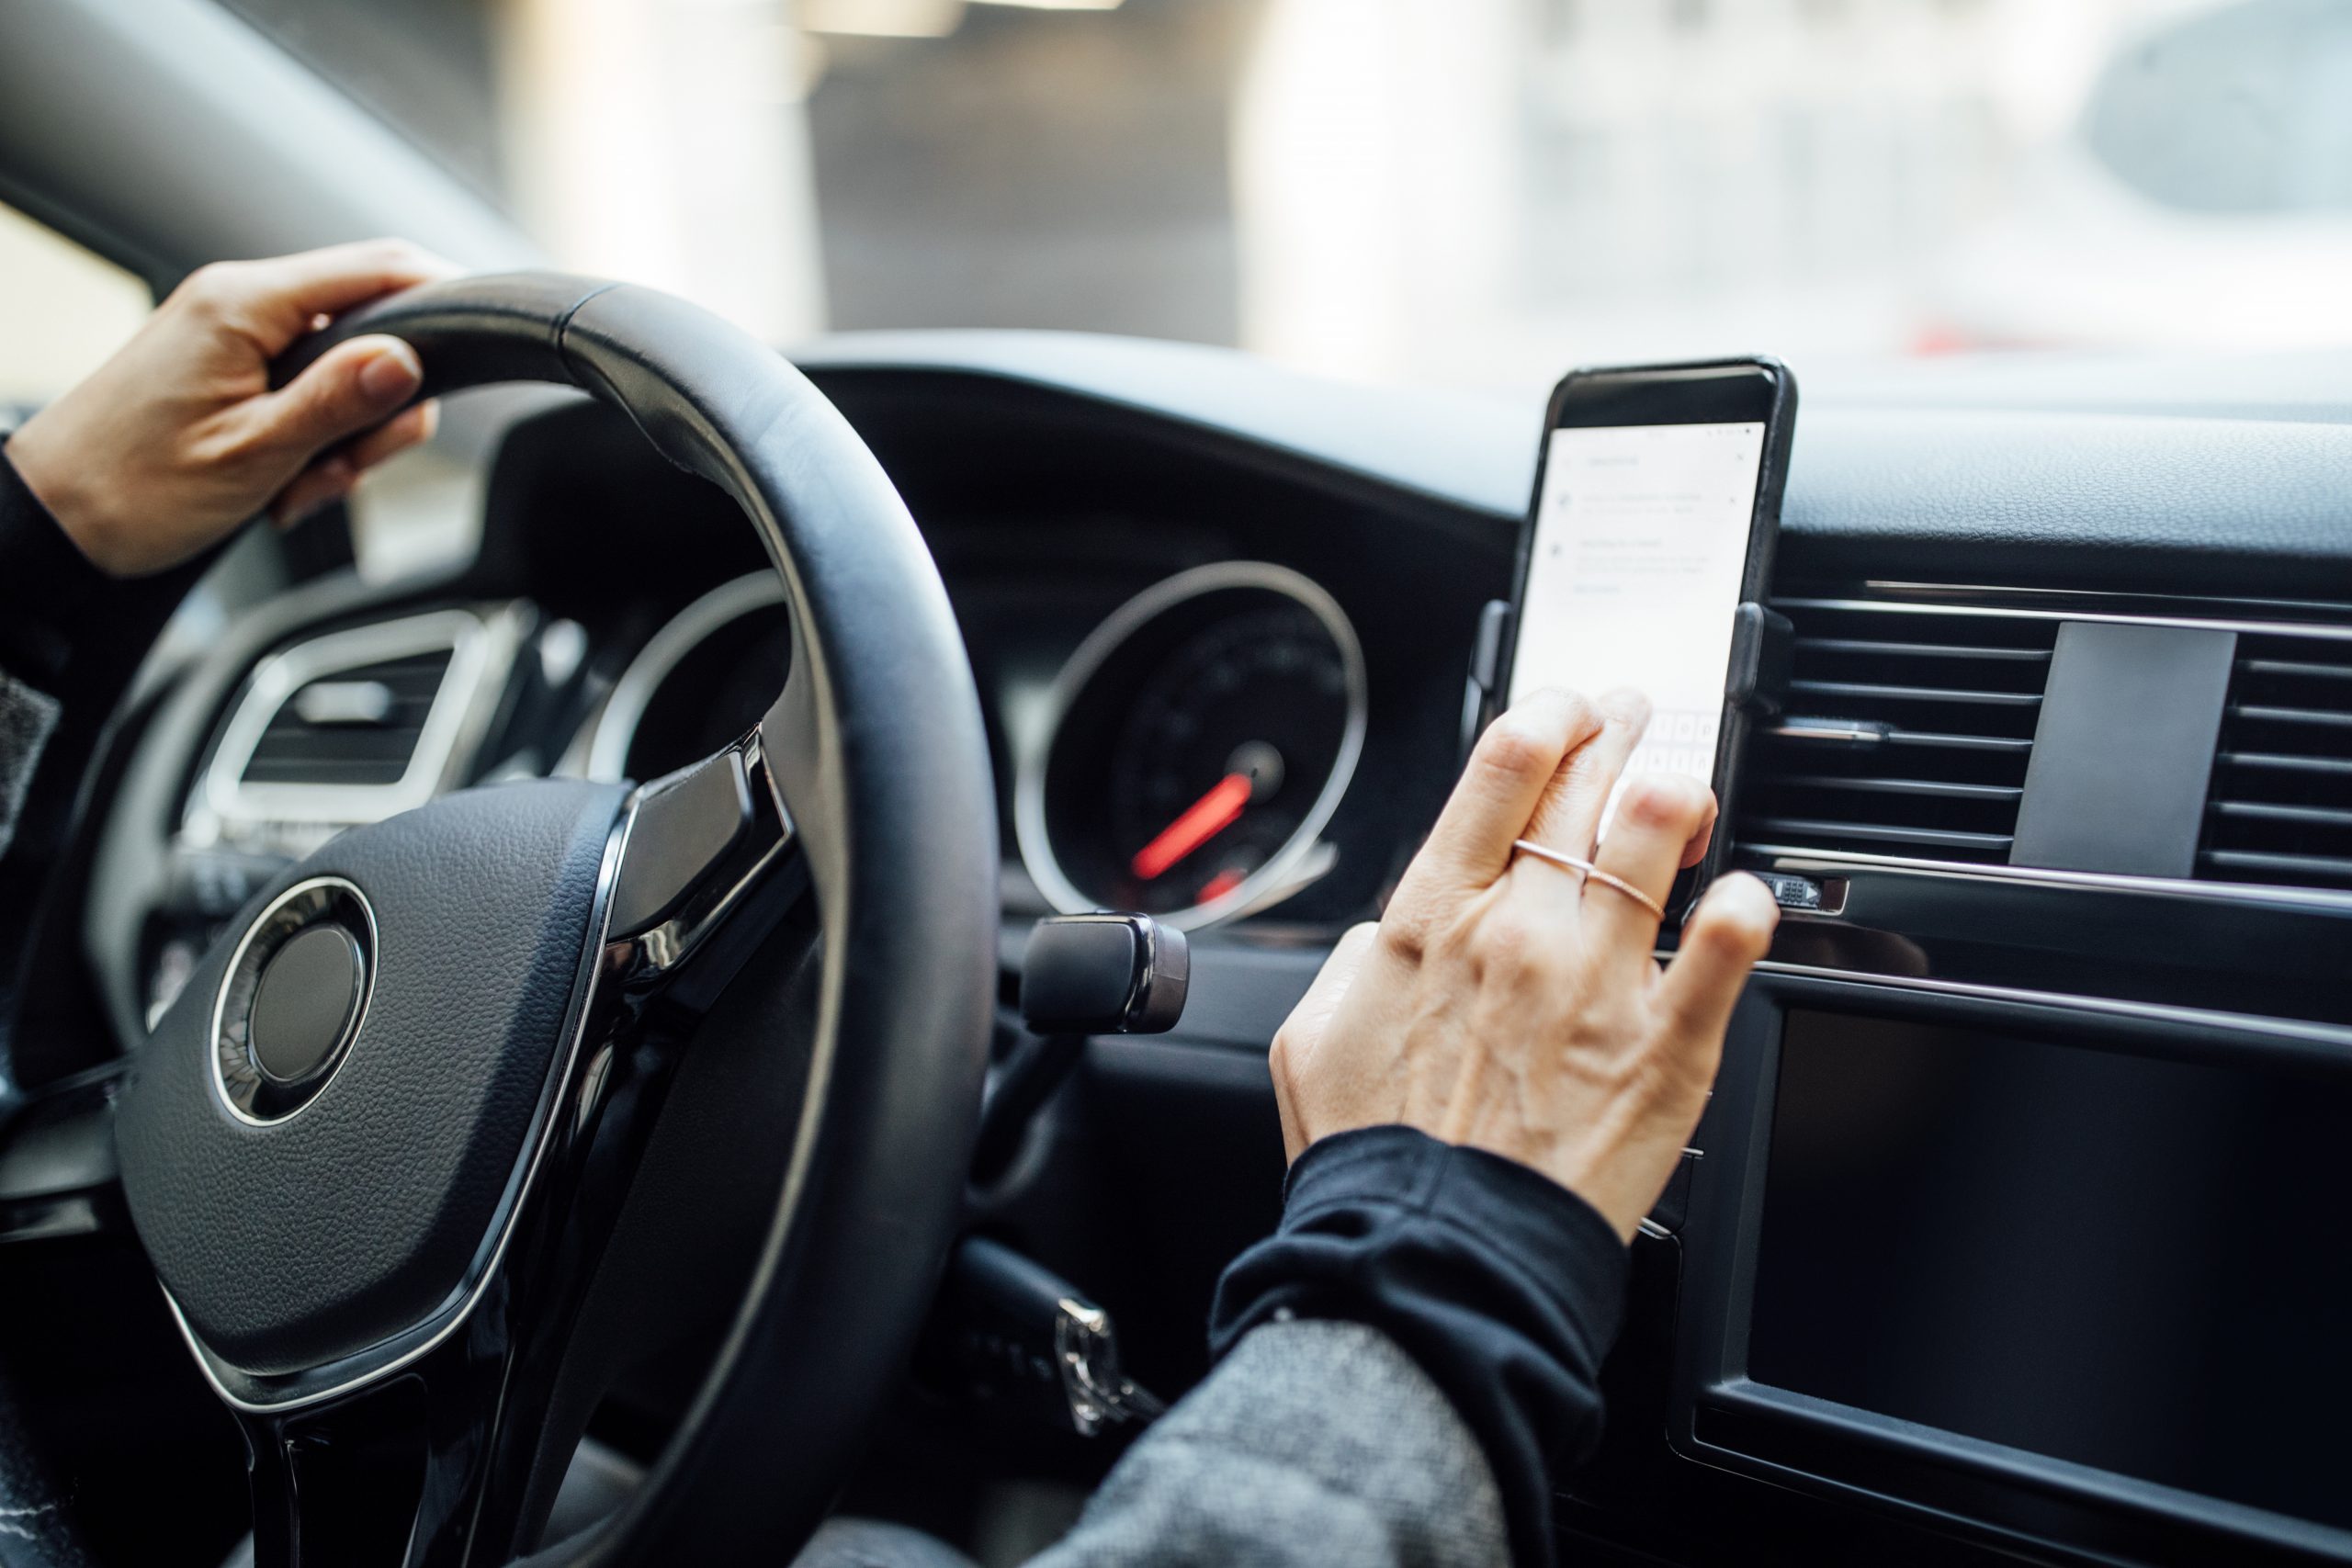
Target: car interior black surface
2057, 1023
2014, 1231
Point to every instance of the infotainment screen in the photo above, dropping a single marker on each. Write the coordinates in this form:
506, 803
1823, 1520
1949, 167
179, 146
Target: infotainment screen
2130, 1262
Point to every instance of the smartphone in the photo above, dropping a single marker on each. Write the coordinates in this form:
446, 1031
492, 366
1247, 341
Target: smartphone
1657, 502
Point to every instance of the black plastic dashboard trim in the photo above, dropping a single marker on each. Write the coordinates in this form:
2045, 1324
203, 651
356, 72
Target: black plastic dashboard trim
1986, 1492
2088, 495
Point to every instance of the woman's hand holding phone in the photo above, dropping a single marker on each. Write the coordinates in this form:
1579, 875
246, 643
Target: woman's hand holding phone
1507, 1003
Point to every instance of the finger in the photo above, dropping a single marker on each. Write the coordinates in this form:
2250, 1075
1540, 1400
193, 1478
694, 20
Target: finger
1508, 770
1568, 818
412, 426
326, 481
1654, 823
277, 298
1730, 929
354, 386
1301, 1035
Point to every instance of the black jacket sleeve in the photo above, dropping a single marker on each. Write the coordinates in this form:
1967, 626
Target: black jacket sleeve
1503, 1285
46, 585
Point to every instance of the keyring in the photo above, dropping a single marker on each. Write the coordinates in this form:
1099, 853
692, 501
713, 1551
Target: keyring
1584, 868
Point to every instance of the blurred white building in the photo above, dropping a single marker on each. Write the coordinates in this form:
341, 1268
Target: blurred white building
1476, 192
1487, 191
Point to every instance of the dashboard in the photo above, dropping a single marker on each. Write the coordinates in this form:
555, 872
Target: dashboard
1183, 671
2058, 804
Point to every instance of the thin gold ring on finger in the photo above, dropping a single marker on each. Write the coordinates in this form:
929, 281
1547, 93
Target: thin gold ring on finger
1590, 872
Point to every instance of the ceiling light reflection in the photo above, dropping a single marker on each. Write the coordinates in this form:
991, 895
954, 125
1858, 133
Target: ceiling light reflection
881, 19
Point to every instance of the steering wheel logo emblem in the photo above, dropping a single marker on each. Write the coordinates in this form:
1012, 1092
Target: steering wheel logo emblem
292, 1000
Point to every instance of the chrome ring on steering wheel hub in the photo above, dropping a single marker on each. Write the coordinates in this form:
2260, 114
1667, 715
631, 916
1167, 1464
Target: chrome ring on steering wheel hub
293, 999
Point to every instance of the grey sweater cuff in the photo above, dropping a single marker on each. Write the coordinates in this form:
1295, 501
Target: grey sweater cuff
1314, 1442
27, 718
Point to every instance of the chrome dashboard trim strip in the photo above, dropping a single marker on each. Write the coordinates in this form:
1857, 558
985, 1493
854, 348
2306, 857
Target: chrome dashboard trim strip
2160, 1012
1986, 612
2320, 898
1988, 590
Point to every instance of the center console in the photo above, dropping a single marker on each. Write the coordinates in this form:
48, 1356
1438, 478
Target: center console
2019, 1217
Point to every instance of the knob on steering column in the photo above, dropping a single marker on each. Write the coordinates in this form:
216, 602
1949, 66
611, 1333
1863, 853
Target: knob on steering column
1082, 975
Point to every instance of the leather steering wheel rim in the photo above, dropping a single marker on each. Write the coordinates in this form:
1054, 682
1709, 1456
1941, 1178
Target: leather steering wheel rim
892, 809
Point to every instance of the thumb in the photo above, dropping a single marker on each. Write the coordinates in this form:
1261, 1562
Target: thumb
354, 386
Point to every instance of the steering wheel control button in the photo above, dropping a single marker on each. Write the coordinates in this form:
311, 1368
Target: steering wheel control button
293, 998
682, 829
304, 1005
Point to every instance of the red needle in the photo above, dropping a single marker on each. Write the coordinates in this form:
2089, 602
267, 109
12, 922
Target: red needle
1201, 821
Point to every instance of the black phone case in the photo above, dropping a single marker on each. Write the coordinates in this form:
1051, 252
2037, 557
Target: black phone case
1757, 679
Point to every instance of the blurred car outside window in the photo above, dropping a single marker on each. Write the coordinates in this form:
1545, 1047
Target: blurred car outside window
1475, 193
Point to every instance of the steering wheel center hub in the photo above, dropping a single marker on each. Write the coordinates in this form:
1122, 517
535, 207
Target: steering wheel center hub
380, 1038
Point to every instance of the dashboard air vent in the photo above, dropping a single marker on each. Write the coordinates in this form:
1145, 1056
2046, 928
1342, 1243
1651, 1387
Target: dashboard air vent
358, 725
1906, 733
2279, 808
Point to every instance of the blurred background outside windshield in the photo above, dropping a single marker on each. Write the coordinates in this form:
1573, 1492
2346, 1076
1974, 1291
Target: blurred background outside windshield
1469, 193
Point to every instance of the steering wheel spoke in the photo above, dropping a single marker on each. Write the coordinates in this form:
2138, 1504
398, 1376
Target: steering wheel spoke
59, 1178
397, 1473
452, 1451
711, 846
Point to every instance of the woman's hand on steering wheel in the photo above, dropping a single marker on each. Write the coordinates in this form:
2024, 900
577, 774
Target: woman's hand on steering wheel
1511, 1004
178, 438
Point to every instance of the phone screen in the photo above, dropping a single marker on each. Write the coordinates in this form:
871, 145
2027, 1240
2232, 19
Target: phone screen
1634, 574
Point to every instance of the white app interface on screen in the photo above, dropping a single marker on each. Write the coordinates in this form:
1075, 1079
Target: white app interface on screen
1641, 540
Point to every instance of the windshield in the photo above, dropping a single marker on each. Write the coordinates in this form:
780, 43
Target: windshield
1467, 192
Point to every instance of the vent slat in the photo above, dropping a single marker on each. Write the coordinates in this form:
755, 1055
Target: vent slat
1937, 788
2266, 811
2271, 760
1867, 690
294, 750
2324, 870
1847, 732
2263, 713
2008, 745
1918, 650
1912, 732
1881, 833
2280, 810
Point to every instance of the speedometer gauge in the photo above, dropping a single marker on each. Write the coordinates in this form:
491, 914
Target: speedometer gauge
1195, 748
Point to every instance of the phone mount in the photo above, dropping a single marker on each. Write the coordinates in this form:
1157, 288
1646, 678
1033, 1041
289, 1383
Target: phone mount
1763, 651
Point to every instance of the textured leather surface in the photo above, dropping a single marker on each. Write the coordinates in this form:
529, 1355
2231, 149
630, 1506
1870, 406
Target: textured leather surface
294, 1242
504, 328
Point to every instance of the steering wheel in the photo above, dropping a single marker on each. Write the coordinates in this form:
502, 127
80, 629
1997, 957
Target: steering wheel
472, 1105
